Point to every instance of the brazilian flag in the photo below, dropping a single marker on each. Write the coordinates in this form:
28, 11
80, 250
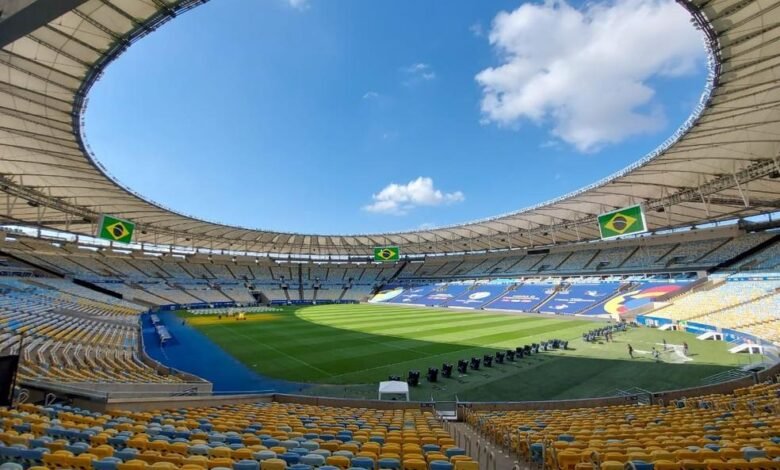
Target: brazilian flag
116, 230
621, 222
386, 253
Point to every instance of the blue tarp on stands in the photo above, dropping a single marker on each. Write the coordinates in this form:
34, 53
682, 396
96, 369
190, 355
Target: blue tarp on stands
413, 295
579, 297
441, 294
524, 298
479, 296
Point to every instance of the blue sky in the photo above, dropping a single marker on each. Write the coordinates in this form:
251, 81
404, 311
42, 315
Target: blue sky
345, 116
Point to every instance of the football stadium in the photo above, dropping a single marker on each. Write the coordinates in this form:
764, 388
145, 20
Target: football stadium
631, 324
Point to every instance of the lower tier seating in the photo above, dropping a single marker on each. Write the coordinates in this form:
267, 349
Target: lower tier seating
713, 432
268, 436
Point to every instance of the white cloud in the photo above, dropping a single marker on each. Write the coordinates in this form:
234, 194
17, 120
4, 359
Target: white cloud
299, 4
419, 72
477, 30
586, 71
399, 199
370, 95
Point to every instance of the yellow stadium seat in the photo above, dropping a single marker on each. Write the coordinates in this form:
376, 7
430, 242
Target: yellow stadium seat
466, 465
273, 464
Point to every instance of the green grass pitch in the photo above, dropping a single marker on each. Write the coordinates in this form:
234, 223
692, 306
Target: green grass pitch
344, 350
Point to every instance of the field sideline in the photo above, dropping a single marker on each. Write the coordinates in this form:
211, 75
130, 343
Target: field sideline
346, 349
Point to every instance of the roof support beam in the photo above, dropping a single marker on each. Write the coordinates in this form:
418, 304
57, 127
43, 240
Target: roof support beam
22, 17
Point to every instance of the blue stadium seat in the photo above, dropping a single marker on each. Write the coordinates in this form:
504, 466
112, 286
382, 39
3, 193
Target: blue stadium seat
300, 466
393, 464
107, 463
440, 465
363, 462
454, 451
315, 460
310, 445
290, 457
126, 454
246, 465
264, 455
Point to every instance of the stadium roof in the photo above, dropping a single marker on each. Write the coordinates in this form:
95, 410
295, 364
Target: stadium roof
722, 164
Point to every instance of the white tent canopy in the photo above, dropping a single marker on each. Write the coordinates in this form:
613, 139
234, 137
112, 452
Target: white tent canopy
394, 387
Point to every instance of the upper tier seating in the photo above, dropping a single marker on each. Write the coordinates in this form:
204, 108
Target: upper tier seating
238, 293
690, 252
134, 293
203, 292
578, 260
65, 285
219, 271
172, 294
735, 246
357, 292
648, 256
242, 272
767, 259
610, 258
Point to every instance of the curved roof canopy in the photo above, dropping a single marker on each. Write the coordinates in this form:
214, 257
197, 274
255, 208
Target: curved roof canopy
722, 164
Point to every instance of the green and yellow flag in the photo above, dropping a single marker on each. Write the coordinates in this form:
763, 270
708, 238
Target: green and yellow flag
116, 230
622, 222
386, 253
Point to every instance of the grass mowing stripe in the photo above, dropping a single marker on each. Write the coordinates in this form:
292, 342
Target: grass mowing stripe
450, 319
455, 331
376, 319
411, 326
268, 346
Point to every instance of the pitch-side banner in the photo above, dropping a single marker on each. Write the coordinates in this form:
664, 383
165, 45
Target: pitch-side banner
626, 221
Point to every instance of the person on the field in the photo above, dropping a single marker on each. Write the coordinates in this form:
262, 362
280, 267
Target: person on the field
685, 348
665, 344
656, 355
630, 351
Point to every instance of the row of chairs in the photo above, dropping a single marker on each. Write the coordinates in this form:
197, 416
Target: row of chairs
738, 428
